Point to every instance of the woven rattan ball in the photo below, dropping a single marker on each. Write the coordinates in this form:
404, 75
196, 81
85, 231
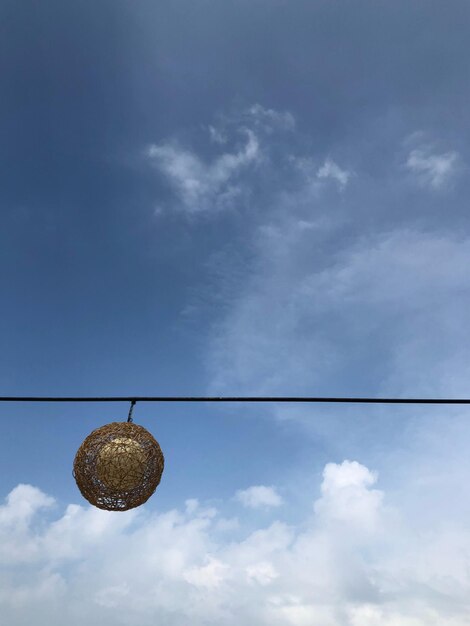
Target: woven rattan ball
121, 464
118, 466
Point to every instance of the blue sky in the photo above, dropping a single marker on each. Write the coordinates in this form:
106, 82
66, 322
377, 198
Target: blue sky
236, 197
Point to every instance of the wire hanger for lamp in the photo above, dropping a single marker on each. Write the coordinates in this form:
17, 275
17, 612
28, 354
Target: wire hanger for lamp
131, 408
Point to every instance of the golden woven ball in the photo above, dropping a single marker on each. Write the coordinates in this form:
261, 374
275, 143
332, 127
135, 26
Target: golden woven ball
121, 464
118, 466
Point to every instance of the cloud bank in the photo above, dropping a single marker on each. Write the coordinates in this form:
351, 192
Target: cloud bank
354, 560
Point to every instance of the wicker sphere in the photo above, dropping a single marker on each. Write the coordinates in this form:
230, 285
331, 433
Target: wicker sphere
121, 464
118, 466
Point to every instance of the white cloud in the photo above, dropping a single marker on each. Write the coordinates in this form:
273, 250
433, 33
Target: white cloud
209, 575
433, 170
271, 120
262, 573
259, 496
22, 504
331, 170
16, 517
347, 495
396, 301
313, 174
217, 135
347, 564
202, 186
253, 140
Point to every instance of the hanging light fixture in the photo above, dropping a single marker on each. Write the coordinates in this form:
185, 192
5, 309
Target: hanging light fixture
118, 466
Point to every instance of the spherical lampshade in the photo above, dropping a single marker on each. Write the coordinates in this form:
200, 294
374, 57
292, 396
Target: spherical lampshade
118, 466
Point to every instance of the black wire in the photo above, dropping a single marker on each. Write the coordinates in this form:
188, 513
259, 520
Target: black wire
283, 399
131, 408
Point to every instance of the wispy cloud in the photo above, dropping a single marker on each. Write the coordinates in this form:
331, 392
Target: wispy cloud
202, 186
394, 300
431, 169
306, 294
269, 119
259, 496
331, 170
248, 145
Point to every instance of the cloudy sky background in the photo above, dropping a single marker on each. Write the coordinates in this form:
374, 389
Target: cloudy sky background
235, 197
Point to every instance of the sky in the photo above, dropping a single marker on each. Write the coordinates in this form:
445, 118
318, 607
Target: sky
262, 197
